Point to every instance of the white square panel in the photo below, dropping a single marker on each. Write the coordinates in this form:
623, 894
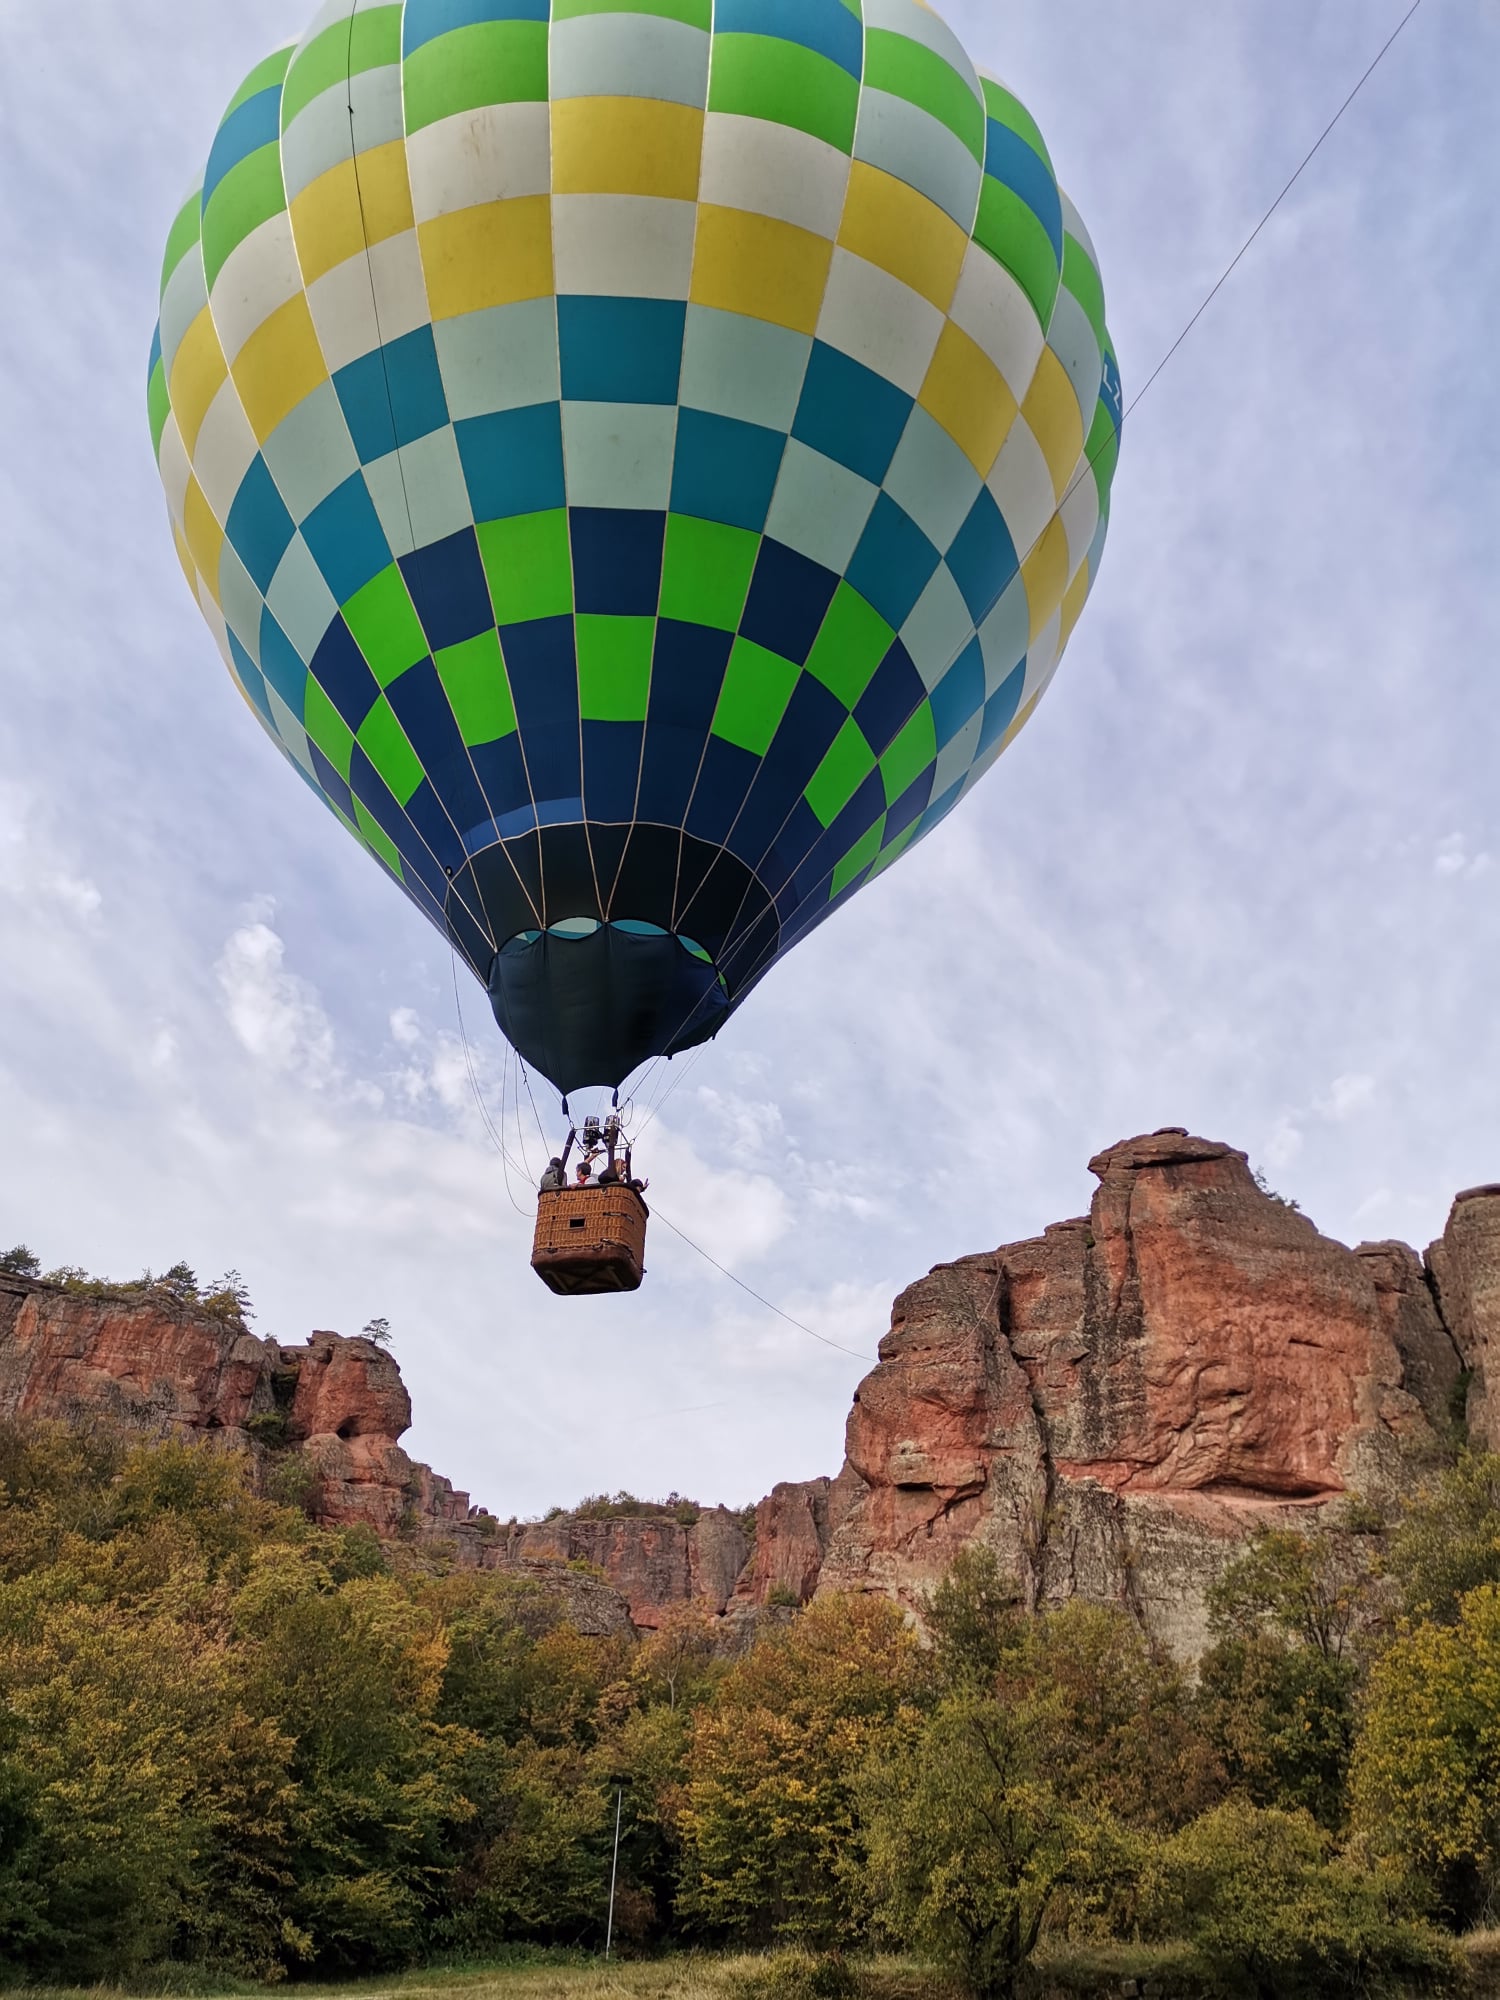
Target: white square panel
490, 154
242, 602
299, 599
877, 320
770, 169
501, 359
938, 629
310, 452
1005, 636
619, 454
743, 368
184, 298
820, 508
998, 317
902, 139
1023, 490
955, 757
437, 494
225, 450
629, 55
932, 479
623, 245
259, 276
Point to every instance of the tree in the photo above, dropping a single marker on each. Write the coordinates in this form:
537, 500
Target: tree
378, 1330
768, 1815
975, 1619
21, 1262
1272, 1915
1426, 1776
968, 1839
1447, 1541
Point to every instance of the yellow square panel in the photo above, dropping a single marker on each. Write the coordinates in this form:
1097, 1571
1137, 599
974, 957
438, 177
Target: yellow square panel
1020, 723
494, 254
1046, 573
204, 537
1051, 409
185, 557
891, 225
968, 395
355, 204
198, 374
1074, 599
279, 366
626, 145
762, 268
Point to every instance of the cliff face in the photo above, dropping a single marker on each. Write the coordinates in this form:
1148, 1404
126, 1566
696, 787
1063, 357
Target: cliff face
1111, 1407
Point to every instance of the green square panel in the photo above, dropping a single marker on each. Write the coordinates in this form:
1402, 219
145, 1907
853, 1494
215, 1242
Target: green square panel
758, 76
706, 572
386, 627
908, 757
904, 68
897, 847
757, 687
614, 667
383, 741
249, 194
530, 566
858, 859
478, 688
377, 840
488, 62
696, 13
327, 728
1015, 236
853, 642
848, 763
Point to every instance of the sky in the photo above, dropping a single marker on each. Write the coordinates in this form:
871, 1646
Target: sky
1240, 874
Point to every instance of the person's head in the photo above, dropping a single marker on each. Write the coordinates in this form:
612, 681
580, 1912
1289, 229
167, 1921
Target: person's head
583, 1170
555, 1163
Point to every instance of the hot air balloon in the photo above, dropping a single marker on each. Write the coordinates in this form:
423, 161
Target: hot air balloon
641, 464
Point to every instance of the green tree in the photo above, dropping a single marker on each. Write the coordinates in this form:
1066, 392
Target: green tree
1274, 1917
1447, 1539
1426, 1777
768, 1814
969, 1840
21, 1262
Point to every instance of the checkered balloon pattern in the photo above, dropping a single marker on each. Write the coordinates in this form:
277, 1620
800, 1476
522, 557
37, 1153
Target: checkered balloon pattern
641, 460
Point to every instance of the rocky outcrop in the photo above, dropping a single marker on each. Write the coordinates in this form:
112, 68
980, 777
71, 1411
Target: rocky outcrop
1112, 1407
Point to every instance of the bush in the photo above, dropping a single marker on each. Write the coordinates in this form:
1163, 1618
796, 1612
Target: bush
797, 1975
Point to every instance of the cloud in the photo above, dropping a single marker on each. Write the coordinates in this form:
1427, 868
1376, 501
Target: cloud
276, 1016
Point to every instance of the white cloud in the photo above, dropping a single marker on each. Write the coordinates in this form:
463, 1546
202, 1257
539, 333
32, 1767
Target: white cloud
1454, 859
276, 1016
1346, 1097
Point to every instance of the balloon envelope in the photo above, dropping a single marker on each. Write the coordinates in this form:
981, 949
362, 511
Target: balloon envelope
642, 468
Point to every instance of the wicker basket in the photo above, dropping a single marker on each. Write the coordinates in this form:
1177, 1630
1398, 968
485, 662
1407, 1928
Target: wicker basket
590, 1240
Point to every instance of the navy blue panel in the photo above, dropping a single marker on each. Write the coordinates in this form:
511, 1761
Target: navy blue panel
552, 757
344, 675
983, 558
803, 738
542, 662
864, 810
347, 541
513, 461
425, 811
890, 701
418, 400
617, 560
259, 527
790, 849
331, 782
1000, 710
687, 674
449, 588
422, 709
669, 771
726, 470
620, 350
502, 773
894, 562
726, 776
912, 802
611, 764
959, 694
789, 598
366, 403
850, 413
370, 789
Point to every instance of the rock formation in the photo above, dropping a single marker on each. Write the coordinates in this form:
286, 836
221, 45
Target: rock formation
1111, 1407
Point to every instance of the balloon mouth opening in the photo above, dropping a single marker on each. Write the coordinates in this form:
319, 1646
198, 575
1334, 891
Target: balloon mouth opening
573, 930
588, 1002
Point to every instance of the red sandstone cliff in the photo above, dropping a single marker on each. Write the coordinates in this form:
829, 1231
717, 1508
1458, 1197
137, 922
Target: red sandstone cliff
1111, 1407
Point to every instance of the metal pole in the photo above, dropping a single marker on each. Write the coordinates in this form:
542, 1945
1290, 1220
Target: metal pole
614, 1869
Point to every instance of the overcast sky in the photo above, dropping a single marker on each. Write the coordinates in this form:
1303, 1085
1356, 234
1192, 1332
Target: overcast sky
1240, 874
